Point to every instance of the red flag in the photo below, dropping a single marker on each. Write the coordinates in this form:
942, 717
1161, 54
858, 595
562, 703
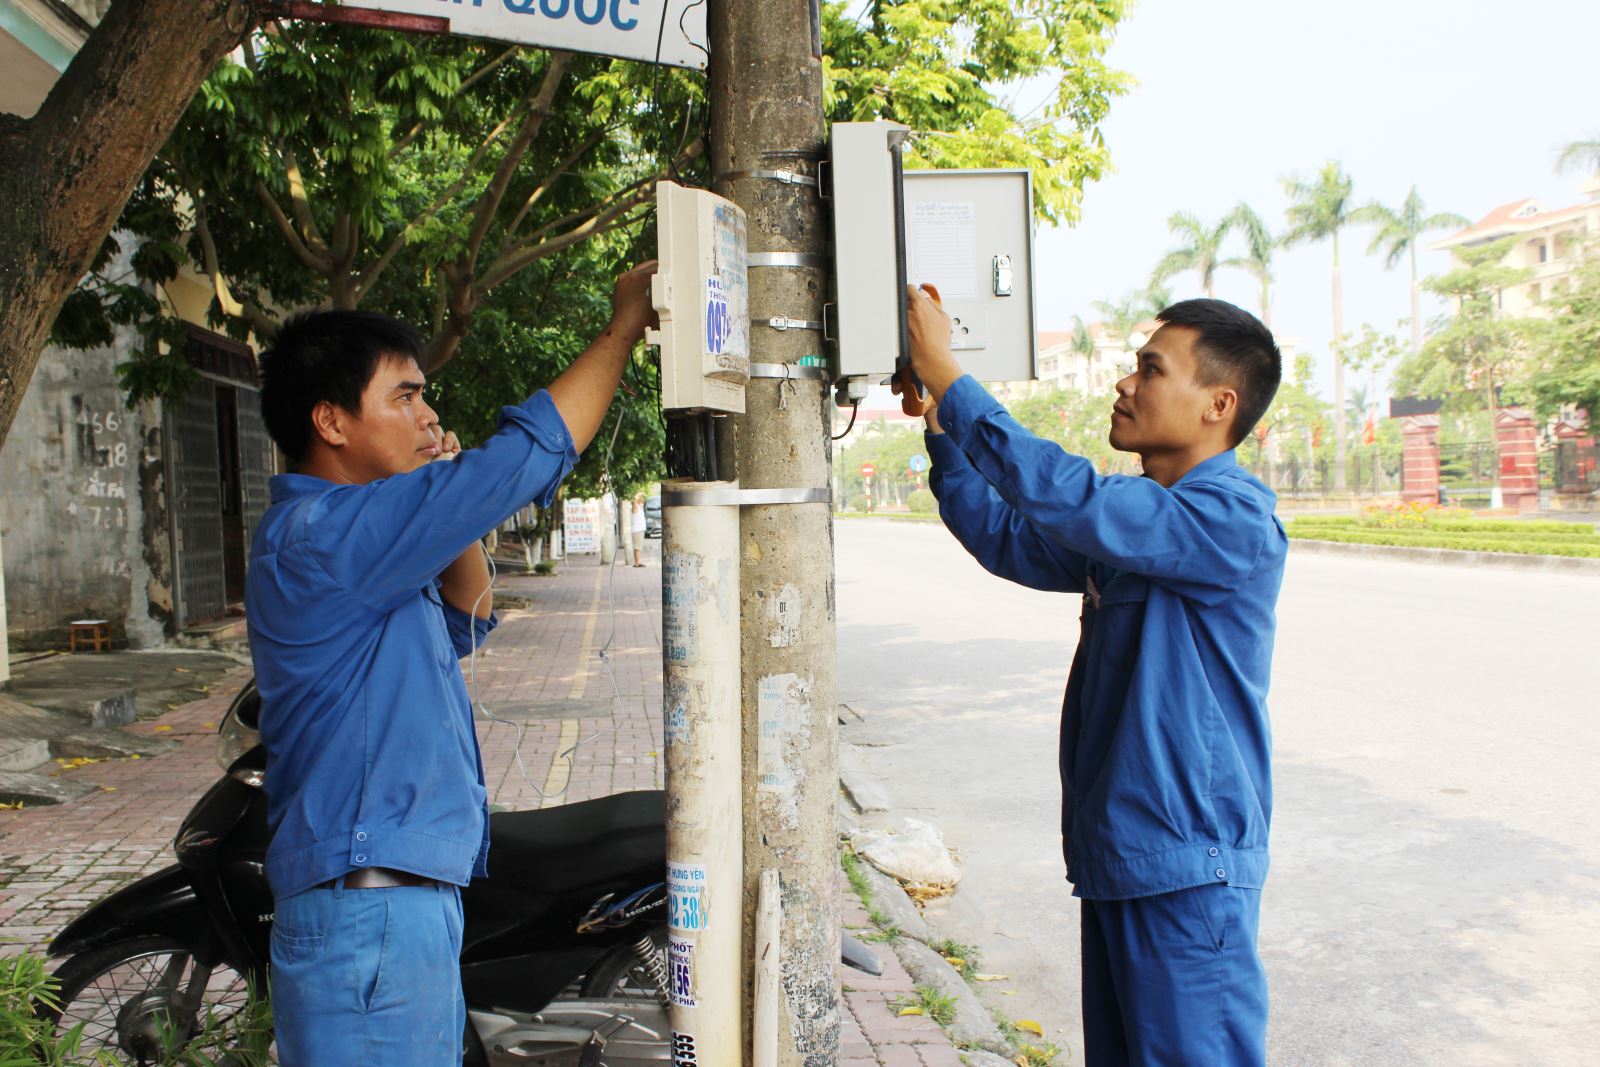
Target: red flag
1369, 432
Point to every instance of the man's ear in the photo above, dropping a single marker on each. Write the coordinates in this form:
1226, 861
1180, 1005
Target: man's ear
328, 422
1224, 406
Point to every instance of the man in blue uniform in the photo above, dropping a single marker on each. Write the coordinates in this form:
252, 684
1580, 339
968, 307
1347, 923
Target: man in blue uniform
1165, 745
366, 584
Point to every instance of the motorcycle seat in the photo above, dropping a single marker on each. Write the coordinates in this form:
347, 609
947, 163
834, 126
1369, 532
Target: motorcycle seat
556, 850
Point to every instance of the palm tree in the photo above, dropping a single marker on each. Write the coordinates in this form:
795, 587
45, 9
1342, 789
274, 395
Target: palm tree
1320, 208
1579, 156
1397, 235
1200, 252
1126, 315
1257, 260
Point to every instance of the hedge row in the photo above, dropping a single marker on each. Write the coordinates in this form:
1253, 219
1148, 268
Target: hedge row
1546, 546
1531, 527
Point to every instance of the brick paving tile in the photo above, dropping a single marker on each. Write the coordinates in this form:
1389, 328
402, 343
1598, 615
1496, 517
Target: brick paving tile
541, 671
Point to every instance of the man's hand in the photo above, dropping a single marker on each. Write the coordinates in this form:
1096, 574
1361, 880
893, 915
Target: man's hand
449, 443
632, 311
930, 343
583, 391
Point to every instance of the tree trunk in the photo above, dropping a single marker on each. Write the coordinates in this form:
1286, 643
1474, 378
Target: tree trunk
1416, 305
66, 173
1338, 373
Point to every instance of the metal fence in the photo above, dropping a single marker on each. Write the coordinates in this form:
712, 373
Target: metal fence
1576, 467
1369, 471
1466, 473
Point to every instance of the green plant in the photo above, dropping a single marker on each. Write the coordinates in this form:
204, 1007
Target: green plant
1028, 1040
922, 502
853, 872
29, 995
940, 1007
545, 567
959, 954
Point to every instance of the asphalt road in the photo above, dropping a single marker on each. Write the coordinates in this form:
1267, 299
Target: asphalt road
1435, 891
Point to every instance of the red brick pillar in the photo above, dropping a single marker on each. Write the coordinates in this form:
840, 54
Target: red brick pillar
1421, 433
1519, 459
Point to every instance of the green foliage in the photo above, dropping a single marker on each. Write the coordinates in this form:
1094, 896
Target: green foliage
886, 929
1397, 230
1320, 207
953, 71
1480, 350
1580, 156
1199, 250
1135, 308
1567, 369
1463, 541
1078, 422
1296, 413
1259, 246
27, 1037
922, 502
940, 1007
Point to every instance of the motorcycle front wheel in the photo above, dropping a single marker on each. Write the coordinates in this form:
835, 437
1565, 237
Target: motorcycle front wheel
141, 997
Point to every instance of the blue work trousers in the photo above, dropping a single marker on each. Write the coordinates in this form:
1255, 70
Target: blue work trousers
1174, 979
368, 976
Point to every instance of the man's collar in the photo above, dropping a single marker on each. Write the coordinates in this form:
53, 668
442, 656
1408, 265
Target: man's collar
288, 486
1220, 461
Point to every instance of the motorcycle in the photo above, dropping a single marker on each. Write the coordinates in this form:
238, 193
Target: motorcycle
563, 957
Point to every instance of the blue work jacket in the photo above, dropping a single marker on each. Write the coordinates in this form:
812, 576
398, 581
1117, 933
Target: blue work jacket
372, 759
1165, 745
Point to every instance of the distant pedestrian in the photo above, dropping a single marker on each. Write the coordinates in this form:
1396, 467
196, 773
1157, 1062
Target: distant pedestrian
1165, 744
636, 526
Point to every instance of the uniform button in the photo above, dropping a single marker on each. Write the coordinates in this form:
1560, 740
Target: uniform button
362, 859
1221, 873
1213, 851
361, 835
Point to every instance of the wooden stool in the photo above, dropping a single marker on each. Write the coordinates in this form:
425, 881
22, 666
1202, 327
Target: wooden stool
89, 631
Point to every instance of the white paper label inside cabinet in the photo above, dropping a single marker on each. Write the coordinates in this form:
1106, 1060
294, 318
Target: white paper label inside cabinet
701, 293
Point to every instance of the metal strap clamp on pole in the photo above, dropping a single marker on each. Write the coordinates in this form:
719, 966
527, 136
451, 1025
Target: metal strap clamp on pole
788, 177
745, 498
790, 372
780, 322
806, 260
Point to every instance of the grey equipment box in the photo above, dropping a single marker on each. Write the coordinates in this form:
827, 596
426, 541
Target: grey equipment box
967, 232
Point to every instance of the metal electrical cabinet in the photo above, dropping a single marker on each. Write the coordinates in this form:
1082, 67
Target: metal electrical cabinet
970, 233
701, 294
967, 232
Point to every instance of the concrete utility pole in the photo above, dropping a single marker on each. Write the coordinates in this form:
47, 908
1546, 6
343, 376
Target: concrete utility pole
766, 116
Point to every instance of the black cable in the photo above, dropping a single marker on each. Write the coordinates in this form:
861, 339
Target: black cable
855, 409
709, 429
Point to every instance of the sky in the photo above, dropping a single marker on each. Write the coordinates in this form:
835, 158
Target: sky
1466, 99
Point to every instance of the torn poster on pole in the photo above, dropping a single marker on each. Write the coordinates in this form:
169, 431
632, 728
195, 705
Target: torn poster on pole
672, 32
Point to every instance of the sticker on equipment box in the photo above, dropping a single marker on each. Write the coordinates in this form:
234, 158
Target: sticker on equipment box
686, 897
680, 974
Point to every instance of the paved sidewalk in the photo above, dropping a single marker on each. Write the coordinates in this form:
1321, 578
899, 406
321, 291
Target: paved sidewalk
541, 669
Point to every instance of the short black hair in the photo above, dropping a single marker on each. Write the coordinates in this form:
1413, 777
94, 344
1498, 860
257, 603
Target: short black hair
1236, 349
326, 355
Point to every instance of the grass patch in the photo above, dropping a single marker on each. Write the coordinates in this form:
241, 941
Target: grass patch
887, 930
1423, 525
1571, 547
545, 567
958, 954
939, 1007
1032, 1050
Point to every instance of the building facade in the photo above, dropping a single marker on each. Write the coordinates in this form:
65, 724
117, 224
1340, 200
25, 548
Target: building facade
139, 516
1549, 242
